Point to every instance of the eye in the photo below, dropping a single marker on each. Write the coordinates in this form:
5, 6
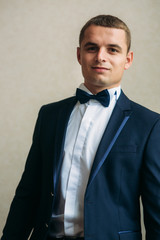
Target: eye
113, 50
92, 49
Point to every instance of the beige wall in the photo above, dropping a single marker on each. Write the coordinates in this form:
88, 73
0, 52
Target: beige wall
38, 40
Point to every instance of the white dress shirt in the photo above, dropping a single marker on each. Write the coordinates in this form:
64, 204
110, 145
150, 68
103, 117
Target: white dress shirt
84, 132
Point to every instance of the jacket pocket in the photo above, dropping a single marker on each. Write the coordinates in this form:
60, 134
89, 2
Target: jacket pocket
130, 235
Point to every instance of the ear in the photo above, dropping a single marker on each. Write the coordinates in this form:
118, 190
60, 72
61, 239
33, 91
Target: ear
129, 60
79, 55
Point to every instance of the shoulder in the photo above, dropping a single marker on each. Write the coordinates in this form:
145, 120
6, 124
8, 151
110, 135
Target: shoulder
55, 106
143, 111
139, 112
52, 112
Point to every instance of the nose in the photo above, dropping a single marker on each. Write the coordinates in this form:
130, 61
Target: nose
101, 55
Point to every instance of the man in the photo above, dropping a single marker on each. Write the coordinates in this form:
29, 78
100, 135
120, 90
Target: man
93, 155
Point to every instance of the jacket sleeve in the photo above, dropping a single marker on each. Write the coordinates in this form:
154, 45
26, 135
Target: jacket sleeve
22, 212
151, 184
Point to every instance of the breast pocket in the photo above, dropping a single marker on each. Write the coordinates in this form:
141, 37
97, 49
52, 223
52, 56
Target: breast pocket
130, 236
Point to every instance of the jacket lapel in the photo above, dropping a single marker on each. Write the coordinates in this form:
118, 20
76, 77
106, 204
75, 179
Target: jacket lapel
64, 113
119, 118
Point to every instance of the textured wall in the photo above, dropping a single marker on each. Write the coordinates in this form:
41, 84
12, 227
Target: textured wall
38, 40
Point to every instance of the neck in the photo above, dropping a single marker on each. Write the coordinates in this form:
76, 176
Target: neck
96, 89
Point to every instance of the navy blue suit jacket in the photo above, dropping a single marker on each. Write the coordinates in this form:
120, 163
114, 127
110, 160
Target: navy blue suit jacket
126, 166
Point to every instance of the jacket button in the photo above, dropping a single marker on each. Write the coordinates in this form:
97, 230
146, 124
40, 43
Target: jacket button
46, 225
52, 194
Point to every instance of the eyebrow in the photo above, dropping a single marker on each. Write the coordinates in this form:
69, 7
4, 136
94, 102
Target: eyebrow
115, 46
109, 45
90, 44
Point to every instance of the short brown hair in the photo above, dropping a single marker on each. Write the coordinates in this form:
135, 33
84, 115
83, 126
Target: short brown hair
110, 22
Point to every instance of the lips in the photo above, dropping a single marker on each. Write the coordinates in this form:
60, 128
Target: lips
103, 68
100, 69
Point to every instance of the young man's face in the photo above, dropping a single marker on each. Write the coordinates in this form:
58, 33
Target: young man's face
103, 57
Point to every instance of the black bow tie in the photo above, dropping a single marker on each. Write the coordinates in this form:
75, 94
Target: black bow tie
103, 97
